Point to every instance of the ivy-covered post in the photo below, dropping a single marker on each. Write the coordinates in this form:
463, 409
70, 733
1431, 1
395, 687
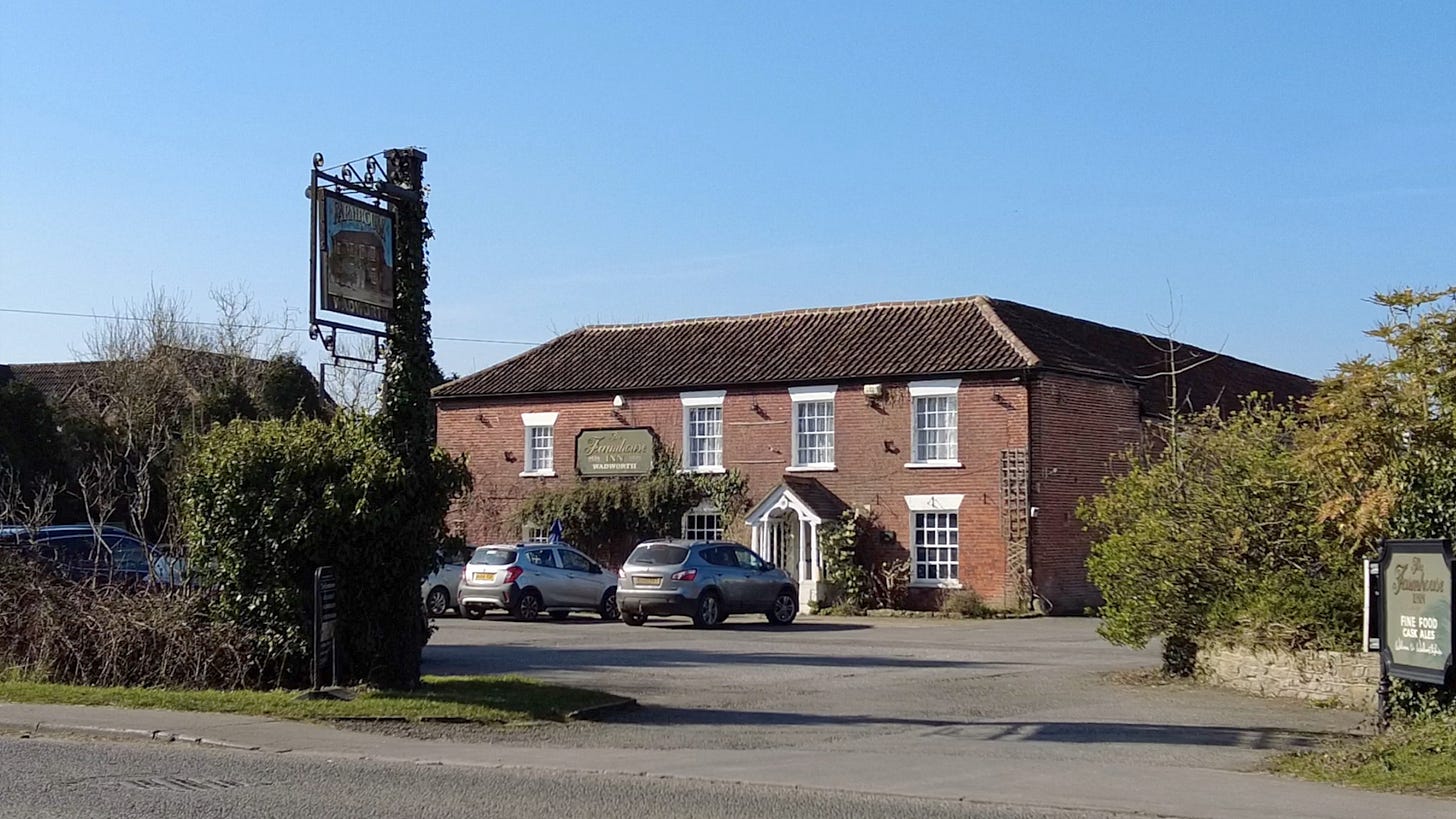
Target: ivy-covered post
407, 427
410, 370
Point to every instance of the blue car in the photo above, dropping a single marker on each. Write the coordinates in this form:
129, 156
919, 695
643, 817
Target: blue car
106, 554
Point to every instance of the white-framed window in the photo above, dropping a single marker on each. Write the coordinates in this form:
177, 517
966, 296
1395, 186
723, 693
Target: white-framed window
813, 443
703, 523
703, 431
934, 423
935, 552
540, 443
535, 533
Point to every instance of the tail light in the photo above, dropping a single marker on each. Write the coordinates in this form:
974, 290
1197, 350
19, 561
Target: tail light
622, 572
685, 574
513, 574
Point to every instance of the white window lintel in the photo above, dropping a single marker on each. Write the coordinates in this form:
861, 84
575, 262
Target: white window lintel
539, 419
799, 394
934, 503
705, 398
944, 386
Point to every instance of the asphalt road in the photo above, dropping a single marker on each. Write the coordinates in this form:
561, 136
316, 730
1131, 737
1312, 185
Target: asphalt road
833, 717
82, 779
1040, 689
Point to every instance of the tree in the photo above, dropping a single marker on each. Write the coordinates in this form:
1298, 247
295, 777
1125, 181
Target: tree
1382, 437
160, 375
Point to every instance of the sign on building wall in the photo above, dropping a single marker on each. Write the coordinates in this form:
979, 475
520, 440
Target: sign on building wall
1414, 609
617, 452
356, 257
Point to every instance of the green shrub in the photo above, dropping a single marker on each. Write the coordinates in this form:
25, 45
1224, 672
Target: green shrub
1219, 531
844, 572
266, 503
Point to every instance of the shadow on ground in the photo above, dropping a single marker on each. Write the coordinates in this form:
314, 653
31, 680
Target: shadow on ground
513, 658
757, 623
1262, 739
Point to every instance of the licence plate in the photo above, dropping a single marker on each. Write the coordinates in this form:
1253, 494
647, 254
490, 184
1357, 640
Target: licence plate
484, 577
647, 582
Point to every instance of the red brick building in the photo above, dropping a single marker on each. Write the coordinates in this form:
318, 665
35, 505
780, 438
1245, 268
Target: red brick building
969, 428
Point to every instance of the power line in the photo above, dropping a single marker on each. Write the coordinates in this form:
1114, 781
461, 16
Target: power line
244, 326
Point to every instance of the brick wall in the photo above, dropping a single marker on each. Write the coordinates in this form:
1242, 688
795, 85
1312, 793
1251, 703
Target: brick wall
872, 446
1077, 424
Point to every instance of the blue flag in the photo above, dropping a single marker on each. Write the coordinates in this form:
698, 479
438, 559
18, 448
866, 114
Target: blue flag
556, 531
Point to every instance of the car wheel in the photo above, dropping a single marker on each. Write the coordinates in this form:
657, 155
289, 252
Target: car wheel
608, 609
559, 615
710, 610
529, 606
785, 609
472, 612
634, 619
437, 602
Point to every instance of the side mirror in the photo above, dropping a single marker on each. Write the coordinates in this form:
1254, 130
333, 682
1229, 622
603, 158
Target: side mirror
767, 567
595, 569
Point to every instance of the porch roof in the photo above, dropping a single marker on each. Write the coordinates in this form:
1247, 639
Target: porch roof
805, 495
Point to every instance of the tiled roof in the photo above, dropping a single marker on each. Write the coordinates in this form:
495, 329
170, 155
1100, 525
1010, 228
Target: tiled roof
59, 381
816, 496
1205, 377
56, 380
951, 337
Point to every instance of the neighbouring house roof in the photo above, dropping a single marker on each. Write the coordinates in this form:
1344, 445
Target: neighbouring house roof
62, 381
56, 381
897, 340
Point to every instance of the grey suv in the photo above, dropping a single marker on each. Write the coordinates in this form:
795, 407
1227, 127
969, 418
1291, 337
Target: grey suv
529, 578
706, 581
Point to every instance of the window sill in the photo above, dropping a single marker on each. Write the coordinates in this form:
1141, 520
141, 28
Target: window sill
540, 473
812, 468
936, 584
935, 465
705, 470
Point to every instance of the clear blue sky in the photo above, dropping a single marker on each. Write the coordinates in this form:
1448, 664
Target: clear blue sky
1271, 164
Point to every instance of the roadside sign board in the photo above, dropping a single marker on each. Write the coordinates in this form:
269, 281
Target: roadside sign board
356, 257
619, 452
325, 619
1413, 584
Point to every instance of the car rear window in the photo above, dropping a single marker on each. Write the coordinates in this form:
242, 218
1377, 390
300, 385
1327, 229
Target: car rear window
658, 554
493, 556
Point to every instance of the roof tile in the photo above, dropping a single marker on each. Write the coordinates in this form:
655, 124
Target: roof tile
889, 340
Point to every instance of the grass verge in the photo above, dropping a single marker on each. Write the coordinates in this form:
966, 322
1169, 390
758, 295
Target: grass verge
480, 699
1416, 758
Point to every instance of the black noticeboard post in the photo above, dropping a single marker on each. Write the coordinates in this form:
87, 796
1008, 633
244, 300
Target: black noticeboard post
325, 618
1410, 600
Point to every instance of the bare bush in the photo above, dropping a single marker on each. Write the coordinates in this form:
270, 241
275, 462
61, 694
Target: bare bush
964, 603
54, 630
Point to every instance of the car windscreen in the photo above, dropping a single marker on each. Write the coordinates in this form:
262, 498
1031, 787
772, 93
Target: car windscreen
494, 556
658, 554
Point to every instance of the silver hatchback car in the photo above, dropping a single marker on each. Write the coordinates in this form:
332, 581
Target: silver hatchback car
706, 581
527, 579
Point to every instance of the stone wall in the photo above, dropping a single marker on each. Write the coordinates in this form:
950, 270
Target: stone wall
1348, 678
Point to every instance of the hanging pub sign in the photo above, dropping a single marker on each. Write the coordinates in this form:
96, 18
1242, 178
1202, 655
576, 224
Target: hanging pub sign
355, 256
1411, 586
614, 452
